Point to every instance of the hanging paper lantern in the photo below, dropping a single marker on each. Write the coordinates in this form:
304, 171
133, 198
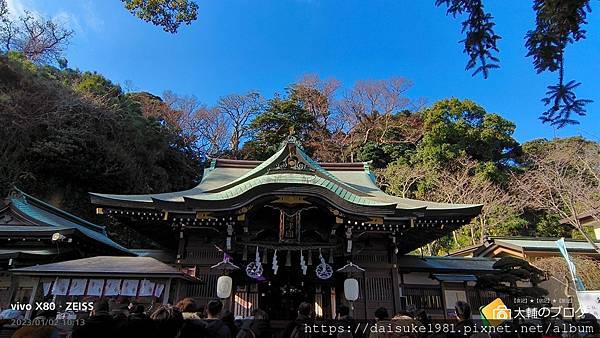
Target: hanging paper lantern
224, 284
351, 289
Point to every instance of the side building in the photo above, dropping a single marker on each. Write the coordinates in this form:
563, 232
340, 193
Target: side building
33, 232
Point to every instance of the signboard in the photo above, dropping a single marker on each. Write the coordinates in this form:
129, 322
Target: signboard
589, 302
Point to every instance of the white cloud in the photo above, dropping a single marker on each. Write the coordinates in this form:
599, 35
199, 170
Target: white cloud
16, 8
87, 18
91, 19
68, 20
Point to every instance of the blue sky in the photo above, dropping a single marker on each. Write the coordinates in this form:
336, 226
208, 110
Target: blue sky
241, 45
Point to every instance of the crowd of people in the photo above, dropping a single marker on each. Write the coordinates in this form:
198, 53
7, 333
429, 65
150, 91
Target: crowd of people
187, 319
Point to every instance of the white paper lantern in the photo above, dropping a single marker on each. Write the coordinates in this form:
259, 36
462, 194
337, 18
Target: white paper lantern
351, 289
224, 284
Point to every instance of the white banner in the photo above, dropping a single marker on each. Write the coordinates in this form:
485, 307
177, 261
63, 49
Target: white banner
589, 302
46, 286
146, 288
562, 246
61, 286
158, 290
77, 287
95, 287
130, 287
113, 287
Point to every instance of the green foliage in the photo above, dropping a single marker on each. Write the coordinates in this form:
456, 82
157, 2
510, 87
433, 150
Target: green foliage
510, 272
168, 14
381, 155
480, 41
558, 23
454, 128
547, 225
281, 117
67, 133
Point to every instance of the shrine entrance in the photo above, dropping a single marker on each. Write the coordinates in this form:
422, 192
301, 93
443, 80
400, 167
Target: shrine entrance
287, 257
282, 295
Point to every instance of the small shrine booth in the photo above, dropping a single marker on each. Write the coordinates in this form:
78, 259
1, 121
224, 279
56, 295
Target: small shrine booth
141, 280
290, 224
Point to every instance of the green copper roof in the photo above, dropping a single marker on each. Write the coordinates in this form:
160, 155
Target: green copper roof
46, 214
227, 179
289, 178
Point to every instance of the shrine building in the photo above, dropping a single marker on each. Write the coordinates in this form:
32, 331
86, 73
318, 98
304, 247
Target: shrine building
292, 229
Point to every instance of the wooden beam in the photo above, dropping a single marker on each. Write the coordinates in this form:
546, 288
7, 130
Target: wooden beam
36, 283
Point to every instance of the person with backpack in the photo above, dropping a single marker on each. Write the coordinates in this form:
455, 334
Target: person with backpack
297, 328
257, 326
100, 324
193, 325
167, 321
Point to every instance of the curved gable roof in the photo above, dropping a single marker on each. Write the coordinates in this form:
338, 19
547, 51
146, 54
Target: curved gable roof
227, 179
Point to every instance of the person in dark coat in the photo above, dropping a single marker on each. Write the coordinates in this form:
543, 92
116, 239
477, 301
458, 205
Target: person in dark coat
193, 325
215, 327
40, 327
297, 328
346, 321
99, 325
229, 319
138, 323
256, 327
463, 313
167, 321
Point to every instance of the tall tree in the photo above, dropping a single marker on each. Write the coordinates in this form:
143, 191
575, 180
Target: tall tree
167, 14
370, 104
563, 177
40, 40
240, 110
316, 96
372, 112
66, 133
203, 127
455, 128
281, 117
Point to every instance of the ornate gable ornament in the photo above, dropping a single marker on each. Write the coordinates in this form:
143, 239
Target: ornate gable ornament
293, 162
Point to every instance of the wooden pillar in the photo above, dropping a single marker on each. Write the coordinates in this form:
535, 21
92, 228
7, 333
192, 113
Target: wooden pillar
395, 283
181, 246
36, 283
443, 287
167, 292
12, 289
364, 292
177, 291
